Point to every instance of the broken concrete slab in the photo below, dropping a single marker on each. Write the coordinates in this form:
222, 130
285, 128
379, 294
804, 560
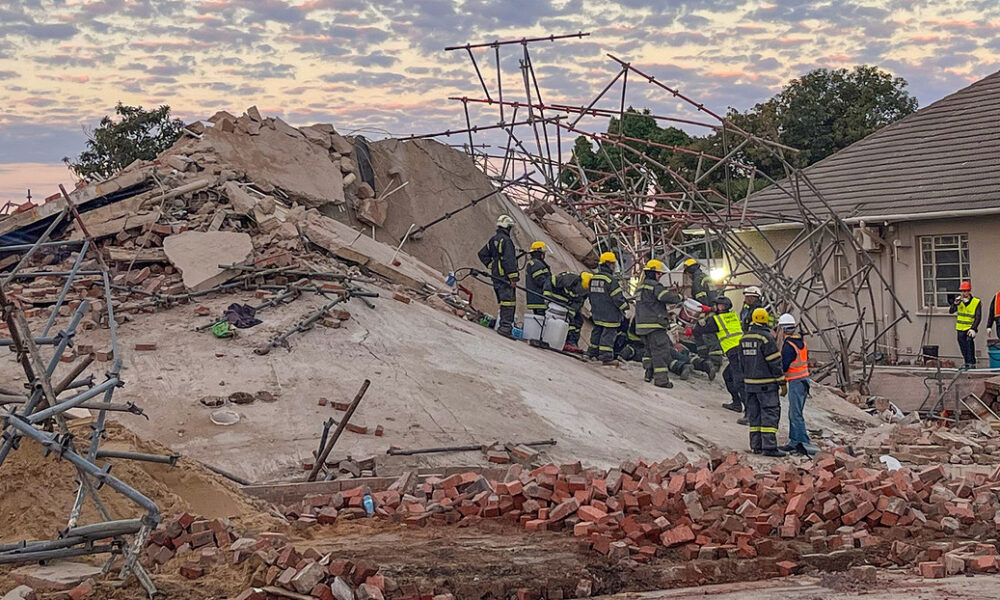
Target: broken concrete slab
198, 254
254, 113
55, 576
373, 211
21, 592
240, 200
341, 145
317, 137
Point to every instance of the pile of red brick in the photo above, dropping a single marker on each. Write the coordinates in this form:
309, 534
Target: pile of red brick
708, 509
274, 563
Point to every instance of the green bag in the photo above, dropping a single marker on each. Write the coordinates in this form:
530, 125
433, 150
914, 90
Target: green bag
222, 329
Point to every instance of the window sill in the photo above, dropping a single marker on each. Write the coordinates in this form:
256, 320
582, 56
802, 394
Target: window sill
944, 313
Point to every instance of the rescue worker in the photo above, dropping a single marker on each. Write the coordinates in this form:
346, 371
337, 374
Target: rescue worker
724, 326
751, 300
968, 313
652, 317
680, 362
795, 363
569, 290
994, 315
701, 284
690, 341
607, 309
628, 344
763, 380
537, 274
500, 256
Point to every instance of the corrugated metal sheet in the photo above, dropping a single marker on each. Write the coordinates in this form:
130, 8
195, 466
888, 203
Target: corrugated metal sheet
943, 157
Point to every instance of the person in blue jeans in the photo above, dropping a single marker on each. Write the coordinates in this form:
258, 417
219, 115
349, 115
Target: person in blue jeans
795, 363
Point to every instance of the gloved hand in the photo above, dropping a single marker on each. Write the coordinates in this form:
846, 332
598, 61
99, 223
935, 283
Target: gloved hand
782, 389
513, 283
688, 332
972, 334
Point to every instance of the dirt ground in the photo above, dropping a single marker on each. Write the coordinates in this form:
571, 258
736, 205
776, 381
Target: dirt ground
436, 380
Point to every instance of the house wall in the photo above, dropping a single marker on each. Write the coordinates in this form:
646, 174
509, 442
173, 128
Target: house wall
899, 264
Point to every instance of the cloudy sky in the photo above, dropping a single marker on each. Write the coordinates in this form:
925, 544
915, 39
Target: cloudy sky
379, 67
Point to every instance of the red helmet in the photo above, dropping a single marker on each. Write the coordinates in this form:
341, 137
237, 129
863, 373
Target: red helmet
965, 286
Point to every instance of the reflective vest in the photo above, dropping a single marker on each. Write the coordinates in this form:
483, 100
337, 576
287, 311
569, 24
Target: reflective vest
996, 306
799, 368
966, 315
729, 330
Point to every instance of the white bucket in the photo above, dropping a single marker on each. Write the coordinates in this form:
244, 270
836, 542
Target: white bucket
690, 311
554, 311
555, 331
533, 325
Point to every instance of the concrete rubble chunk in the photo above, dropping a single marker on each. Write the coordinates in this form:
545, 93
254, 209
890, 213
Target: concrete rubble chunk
21, 592
342, 145
317, 137
197, 255
341, 589
254, 113
56, 576
308, 577
241, 200
220, 116
286, 129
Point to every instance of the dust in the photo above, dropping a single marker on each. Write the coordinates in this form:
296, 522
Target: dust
38, 492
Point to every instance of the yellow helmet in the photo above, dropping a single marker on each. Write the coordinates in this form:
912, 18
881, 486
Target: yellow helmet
655, 265
607, 257
760, 316
538, 247
690, 262
585, 278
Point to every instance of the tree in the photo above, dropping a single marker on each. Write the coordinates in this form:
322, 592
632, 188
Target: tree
113, 145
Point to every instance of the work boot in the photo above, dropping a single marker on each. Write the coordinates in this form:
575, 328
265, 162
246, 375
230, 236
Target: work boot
666, 384
647, 377
787, 448
686, 371
733, 407
742, 421
609, 363
755, 450
712, 370
774, 453
572, 348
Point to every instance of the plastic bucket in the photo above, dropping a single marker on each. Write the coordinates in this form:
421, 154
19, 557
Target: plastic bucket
994, 352
533, 325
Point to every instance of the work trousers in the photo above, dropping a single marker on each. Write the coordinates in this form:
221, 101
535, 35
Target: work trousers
763, 412
798, 391
678, 360
575, 323
602, 342
658, 348
733, 377
507, 300
701, 363
968, 347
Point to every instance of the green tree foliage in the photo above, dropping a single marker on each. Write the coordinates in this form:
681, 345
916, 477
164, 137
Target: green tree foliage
115, 144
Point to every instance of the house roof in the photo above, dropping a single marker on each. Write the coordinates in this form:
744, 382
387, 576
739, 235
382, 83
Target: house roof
943, 157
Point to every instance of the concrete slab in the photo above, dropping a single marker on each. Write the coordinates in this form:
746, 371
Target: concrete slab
55, 576
198, 254
21, 592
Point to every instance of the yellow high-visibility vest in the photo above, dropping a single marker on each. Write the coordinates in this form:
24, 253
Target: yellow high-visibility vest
966, 315
729, 332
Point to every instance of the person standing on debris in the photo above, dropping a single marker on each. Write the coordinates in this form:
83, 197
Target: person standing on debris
569, 290
652, 317
607, 309
795, 364
538, 273
968, 313
751, 301
500, 256
724, 325
763, 379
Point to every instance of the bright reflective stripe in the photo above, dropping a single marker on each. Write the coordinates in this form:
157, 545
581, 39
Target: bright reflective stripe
608, 348
536, 306
768, 430
539, 272
648, 326
500, 254
607, 324
508, 303
771, 357
966, 315
615, 291
730, 332
761, 381
754, 429
661, 370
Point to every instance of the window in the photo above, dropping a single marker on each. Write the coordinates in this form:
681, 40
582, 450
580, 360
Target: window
842, 265
944, 264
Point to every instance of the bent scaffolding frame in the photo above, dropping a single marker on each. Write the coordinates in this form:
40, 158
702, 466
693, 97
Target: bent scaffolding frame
643, 217
39, 414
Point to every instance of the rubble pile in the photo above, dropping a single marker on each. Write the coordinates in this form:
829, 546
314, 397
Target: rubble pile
710, 509
976, 443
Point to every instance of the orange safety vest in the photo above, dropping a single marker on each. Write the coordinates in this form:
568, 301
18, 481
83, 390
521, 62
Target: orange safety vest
996, 306
799, 368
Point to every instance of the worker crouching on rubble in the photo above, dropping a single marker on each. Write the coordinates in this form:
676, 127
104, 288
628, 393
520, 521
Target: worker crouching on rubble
652, 318
500, 256
607, 310
569, 290
763, 380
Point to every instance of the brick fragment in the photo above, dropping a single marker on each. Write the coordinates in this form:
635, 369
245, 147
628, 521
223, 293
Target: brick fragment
931, 570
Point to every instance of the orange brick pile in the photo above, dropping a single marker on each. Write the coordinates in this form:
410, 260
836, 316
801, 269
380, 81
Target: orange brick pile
707, 509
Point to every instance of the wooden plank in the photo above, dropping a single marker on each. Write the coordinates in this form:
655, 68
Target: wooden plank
146, 255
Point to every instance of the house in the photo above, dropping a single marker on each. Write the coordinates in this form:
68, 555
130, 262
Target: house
922, 196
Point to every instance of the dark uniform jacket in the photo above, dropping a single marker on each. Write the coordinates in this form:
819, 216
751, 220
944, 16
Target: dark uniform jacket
538, 274
709, 327
500, 256
607, 302
746, 314
701, 288
651, 308
566, 289
762, 370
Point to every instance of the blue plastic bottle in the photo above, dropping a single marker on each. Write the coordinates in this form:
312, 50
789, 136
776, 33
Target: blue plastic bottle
369, 503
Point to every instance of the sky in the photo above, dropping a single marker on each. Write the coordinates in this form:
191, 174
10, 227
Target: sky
380, 68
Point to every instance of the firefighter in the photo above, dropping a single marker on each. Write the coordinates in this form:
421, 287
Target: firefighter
569, 290
500, 256
652, 317
968, 311
751, 300
680, 362
628, 344
701, 284
724, 326
537, 274
763, 380
690, 341
607, 309
795, 363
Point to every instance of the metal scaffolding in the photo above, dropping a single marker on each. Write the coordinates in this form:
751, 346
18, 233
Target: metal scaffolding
520, 140
38, 413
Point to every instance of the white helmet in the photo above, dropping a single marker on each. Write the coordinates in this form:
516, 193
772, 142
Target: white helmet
505, 221
786, 321
752, 291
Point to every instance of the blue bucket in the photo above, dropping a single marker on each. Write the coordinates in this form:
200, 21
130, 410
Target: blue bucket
994, 351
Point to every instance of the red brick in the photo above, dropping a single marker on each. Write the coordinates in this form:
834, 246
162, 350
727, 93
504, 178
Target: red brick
84, 590
401, 298
564, 510
931, 570
681, 534
192, 571
786, 568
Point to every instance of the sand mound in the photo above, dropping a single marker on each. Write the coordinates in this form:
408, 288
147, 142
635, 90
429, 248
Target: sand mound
37, 492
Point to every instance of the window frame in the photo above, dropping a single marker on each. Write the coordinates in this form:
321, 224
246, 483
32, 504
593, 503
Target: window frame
935, 244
